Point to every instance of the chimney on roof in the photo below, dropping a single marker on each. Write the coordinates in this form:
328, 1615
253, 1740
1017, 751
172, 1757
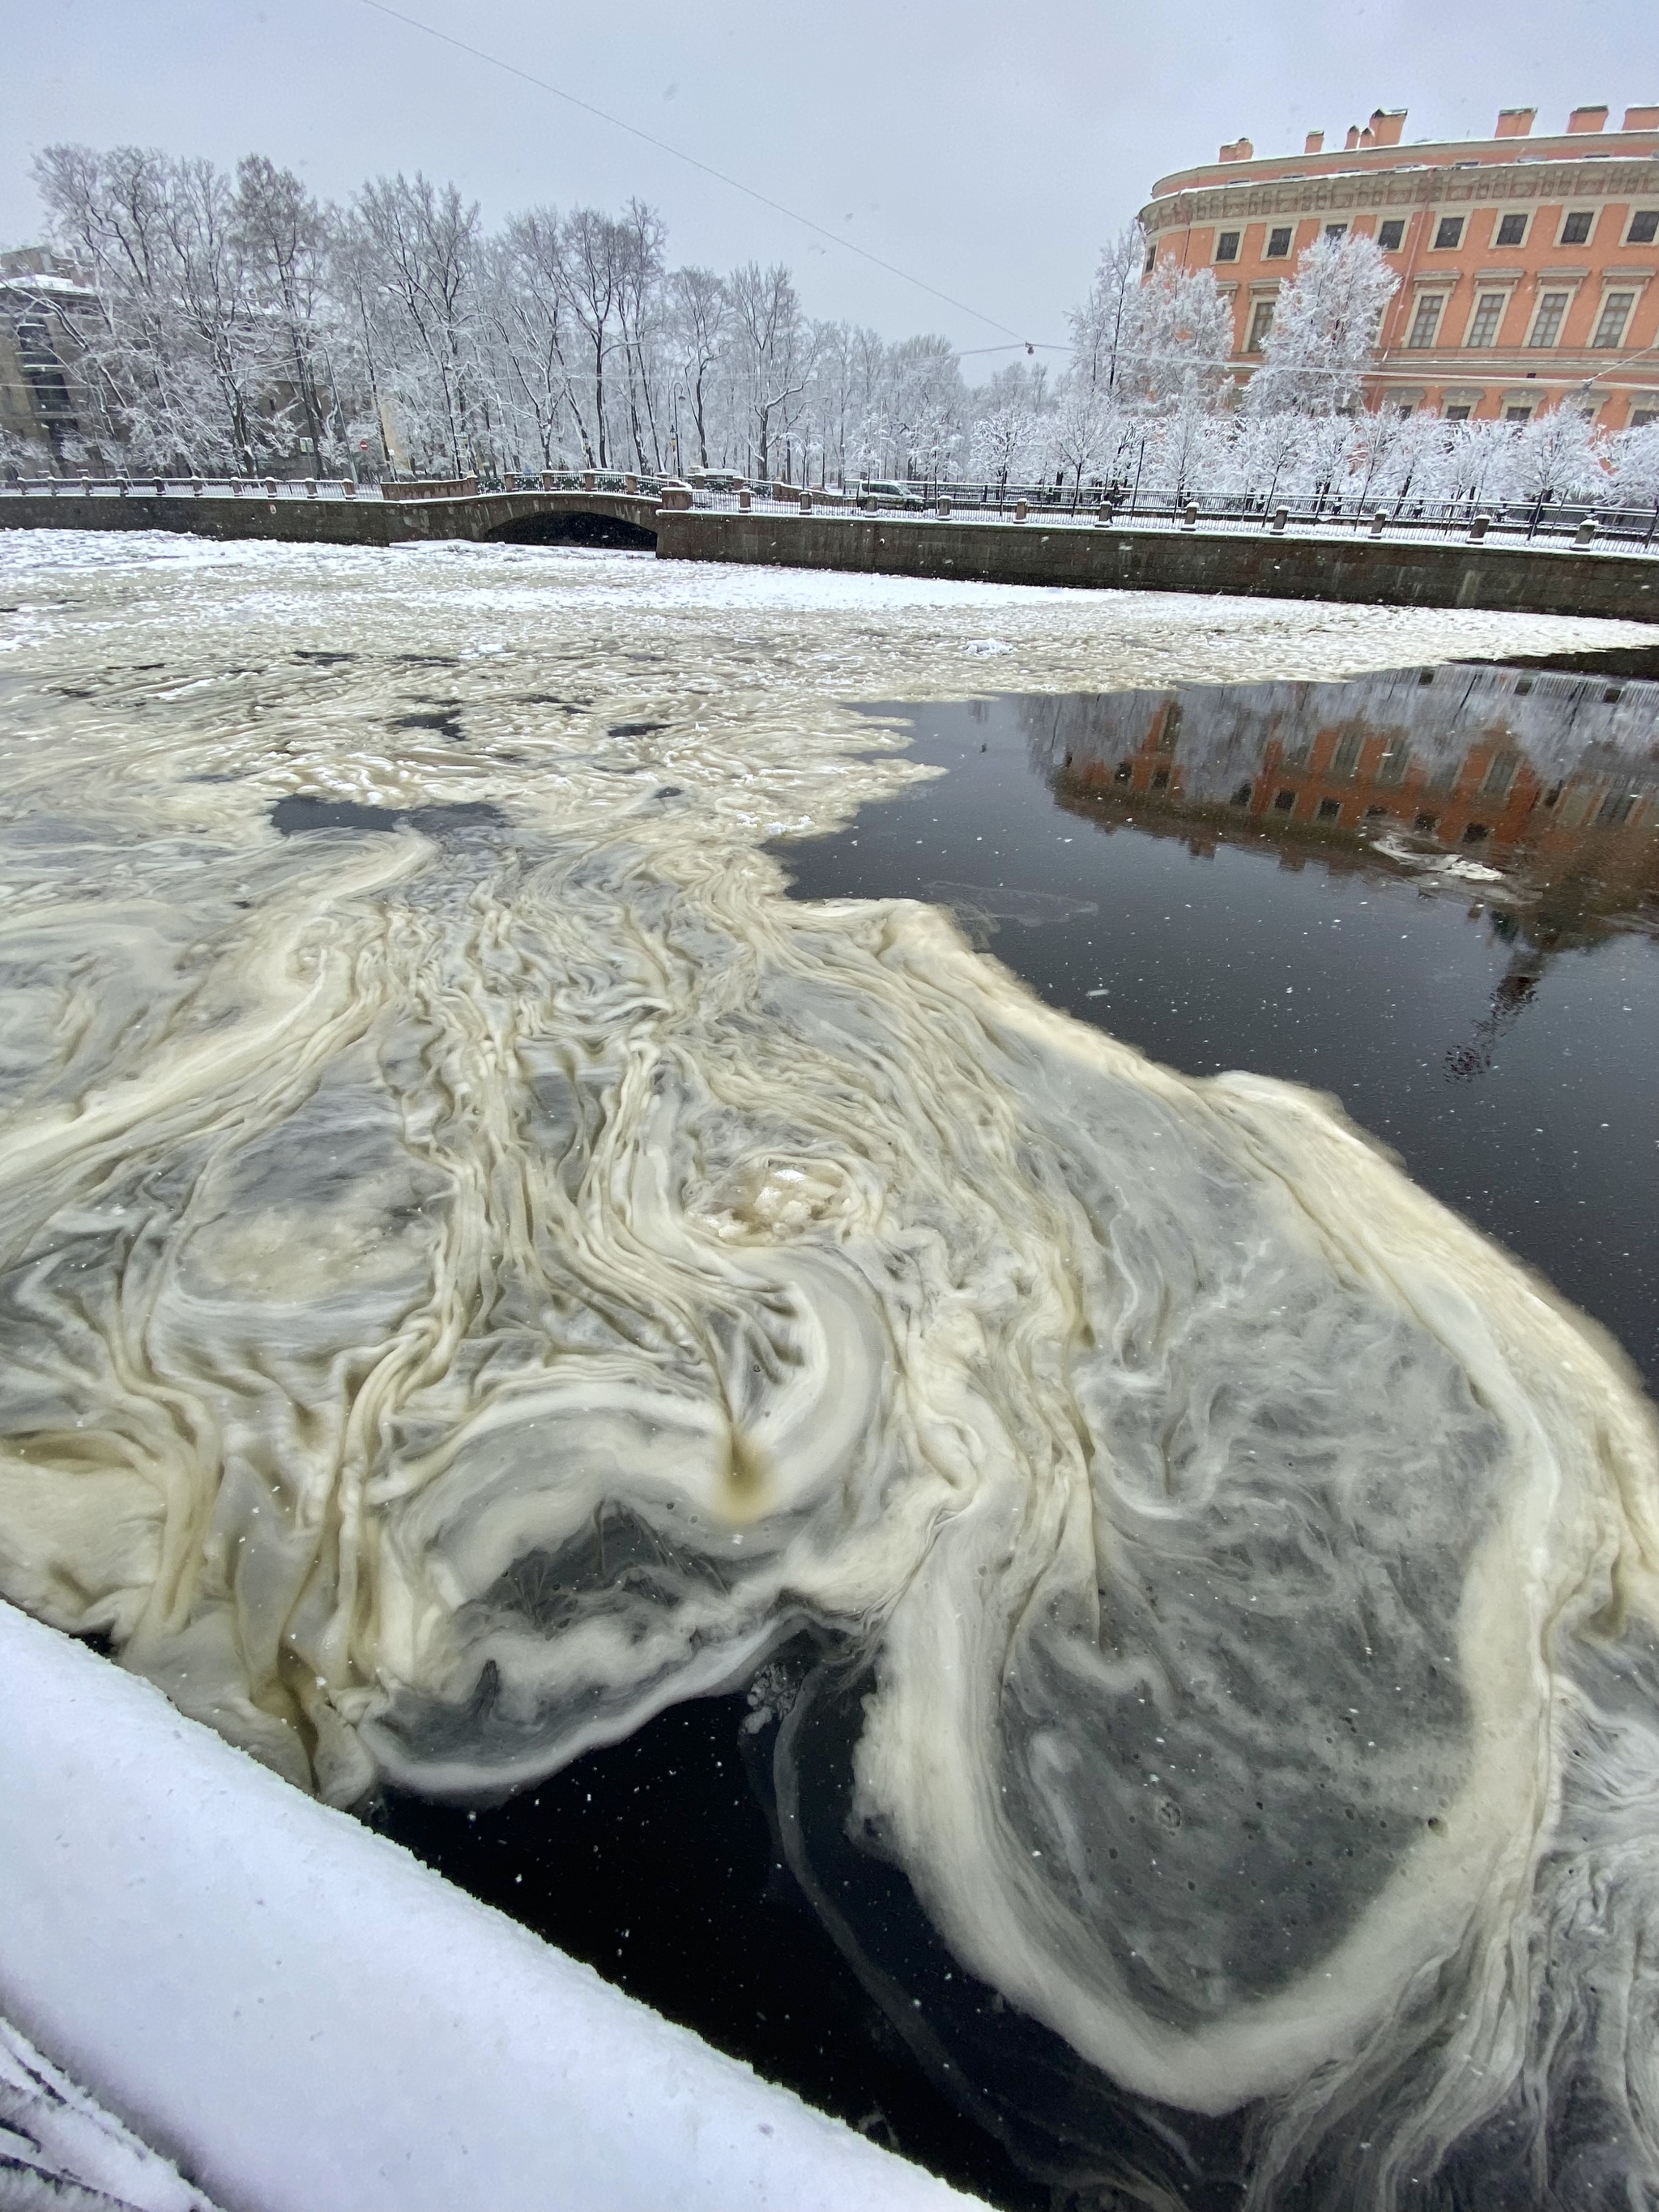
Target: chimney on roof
1516, 122
1587, 118
1240, 150
1642, 119
1315, 142
1387, 126
1353, 138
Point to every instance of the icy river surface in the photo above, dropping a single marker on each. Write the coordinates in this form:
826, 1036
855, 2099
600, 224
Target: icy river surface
563, 1169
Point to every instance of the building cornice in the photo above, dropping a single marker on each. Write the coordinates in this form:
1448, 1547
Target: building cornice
1467, 153
1354, 192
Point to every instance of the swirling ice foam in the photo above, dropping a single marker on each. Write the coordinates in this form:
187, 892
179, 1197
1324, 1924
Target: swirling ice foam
471, 1281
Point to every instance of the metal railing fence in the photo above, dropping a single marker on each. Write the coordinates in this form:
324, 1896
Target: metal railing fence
1584, 524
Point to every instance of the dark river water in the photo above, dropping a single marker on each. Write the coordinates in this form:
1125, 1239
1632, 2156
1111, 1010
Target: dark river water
1501, 1036
1434, 895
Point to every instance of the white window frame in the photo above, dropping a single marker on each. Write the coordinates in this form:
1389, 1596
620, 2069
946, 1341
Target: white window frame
1566, 294
1613, 289
1289, 254
1567, 214
1237, 253
1500, 219
1462, 222
1258, 301
1505, 292
1631, 226
1443, 296
1401, 221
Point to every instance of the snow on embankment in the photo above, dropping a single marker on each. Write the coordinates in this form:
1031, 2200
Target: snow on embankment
304, 2017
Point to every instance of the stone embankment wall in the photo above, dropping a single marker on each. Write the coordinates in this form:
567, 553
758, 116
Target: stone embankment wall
1387, 571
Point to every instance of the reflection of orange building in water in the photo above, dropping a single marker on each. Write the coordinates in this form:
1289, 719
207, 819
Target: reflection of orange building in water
1529, 267
1550, 778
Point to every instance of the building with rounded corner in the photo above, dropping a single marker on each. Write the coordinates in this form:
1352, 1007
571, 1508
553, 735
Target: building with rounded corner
1528, 266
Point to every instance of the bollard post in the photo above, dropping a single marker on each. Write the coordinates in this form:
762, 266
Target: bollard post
271, 490
1281, 516
1022, 508
944, 503
1189, 515
311, 487
349, 488
161, 486
85, 486
1586, 532
547, 479
196, 486
806, 501
125, 487
590, 478
1106, 512
631, 483
744, 500
1378, 521
1480, 527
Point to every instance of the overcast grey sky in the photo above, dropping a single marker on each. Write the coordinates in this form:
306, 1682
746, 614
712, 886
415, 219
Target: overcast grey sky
986, 148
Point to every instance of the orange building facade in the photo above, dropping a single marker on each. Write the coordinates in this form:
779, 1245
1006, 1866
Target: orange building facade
1528, 266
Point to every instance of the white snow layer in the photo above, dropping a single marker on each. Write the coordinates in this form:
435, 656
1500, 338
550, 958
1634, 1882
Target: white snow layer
58, 2148
302, 2016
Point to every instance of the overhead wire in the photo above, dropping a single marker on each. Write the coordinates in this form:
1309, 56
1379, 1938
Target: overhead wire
678, 153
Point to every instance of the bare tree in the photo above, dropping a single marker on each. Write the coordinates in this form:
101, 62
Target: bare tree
423, 242
701, 319
639, 318
594, 249
772, 354
284, 237
529, 311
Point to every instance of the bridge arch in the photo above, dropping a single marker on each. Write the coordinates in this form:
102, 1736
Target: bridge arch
570, 519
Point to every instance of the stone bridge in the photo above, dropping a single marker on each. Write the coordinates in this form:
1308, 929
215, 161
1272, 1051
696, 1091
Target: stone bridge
328, 516
1306, 563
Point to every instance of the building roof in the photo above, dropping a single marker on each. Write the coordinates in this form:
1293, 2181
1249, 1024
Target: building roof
1575, 147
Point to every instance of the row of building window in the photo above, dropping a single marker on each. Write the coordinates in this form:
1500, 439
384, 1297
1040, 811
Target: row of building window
1608, 337
1576, 228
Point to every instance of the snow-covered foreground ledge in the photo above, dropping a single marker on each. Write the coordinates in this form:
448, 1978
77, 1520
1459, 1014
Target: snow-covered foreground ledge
304, 2017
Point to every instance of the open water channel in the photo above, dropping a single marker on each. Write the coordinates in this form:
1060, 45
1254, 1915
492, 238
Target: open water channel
918, 1312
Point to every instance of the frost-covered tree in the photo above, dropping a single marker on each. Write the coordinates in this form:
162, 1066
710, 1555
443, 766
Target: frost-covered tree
1633, 465
421, 243
282, 234
1106, 328
1081, 430
1008, 436
1324, 333
1557, 455
771, 355
1182, 335
700, 323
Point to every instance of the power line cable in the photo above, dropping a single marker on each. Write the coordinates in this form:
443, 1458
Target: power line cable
541, 84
